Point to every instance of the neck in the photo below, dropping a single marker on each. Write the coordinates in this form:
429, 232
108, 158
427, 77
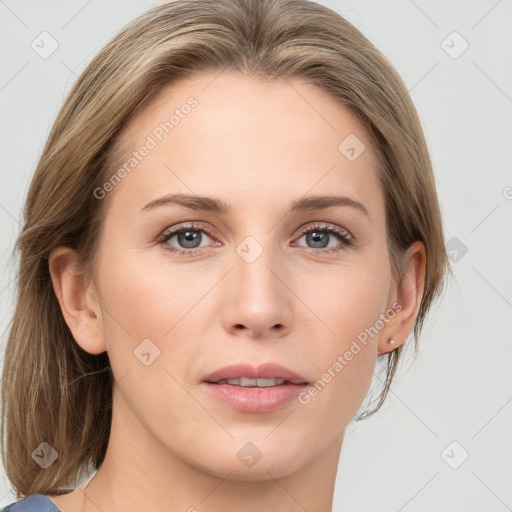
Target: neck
139, 473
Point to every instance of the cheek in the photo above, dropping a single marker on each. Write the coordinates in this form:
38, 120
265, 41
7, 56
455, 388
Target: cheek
146, 299
345, 299
348, 305
134, 309
145, 312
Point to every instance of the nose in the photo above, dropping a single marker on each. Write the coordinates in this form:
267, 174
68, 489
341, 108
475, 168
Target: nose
257, 296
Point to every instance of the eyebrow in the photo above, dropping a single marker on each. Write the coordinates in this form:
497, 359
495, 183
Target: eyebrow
212, 205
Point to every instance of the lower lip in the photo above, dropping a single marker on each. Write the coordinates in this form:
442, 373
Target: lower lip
255, 400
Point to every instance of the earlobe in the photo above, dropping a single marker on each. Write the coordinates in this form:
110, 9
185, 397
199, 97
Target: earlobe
409, 292
76, 299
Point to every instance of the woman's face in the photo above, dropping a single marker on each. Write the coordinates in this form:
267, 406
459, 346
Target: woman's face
262, 282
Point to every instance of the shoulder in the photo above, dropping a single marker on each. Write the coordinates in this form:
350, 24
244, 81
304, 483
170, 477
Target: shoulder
32, 503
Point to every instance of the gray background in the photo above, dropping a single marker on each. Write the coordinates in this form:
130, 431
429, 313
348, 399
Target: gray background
459, 388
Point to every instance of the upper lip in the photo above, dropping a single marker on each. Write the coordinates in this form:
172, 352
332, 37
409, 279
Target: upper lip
263, 371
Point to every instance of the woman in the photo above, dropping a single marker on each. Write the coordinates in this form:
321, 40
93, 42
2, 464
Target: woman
233, 219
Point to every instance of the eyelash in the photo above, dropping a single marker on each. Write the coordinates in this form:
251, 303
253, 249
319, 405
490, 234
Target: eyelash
347, 240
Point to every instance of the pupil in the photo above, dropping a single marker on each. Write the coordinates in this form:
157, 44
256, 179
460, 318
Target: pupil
316, 238
189, 239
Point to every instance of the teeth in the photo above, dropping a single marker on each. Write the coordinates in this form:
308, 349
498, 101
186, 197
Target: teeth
250, 383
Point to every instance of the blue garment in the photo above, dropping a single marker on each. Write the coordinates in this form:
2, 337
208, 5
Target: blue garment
32, 503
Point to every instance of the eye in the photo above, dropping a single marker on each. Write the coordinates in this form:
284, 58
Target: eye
320, 235
188, 238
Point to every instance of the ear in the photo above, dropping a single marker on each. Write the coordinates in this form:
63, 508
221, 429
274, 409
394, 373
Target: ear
77, 300
406, 298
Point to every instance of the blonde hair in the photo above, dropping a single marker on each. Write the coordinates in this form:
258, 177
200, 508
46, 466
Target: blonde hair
54, 391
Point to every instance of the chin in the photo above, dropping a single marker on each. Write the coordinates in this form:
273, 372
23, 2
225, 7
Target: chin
257, 459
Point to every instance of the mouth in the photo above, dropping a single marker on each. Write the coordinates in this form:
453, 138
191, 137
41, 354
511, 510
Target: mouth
246, 382
246, 375
254, 389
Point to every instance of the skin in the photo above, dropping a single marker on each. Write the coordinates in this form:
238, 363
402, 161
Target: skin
257, 146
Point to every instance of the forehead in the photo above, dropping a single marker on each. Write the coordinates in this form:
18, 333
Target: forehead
245, 139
